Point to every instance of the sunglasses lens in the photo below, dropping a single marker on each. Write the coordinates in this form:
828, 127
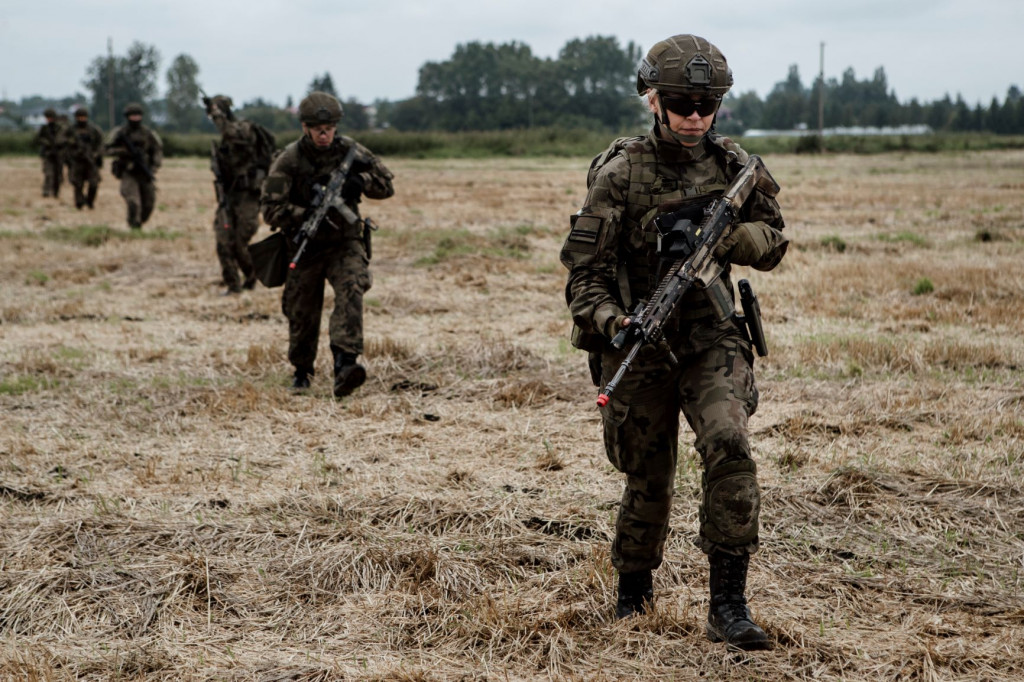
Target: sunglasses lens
684, 106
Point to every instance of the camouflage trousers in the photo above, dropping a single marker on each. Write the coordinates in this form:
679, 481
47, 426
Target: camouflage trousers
713, 386
345, 267
53, 175
82, 172
233, 227
140, 196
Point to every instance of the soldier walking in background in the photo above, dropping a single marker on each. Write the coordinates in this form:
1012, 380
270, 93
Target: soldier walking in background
51, 149
239, 164
613, 256
339, 251
137, 153
83, 143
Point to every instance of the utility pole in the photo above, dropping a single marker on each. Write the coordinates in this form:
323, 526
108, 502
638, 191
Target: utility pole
821, 92
110, 80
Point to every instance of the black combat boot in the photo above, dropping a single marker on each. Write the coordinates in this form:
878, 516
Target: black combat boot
301, 380
729, 619
91, 197
348, 374
636, 594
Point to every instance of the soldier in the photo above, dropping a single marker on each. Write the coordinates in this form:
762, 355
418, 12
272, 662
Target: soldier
84, 144
138, 153
239, 164
338, 252
51, 149
613, 262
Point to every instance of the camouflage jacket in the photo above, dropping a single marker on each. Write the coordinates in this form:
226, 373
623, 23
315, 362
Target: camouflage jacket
146, 141
610, 249
290, 187
83, 142
233, 161
49, 139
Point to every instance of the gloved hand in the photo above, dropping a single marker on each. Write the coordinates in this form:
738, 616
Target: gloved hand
747, 244
615, 325
353, 186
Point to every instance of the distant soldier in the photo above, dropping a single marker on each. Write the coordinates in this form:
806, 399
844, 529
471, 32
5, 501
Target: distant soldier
137, 154
51, 149
338, 253
239, 163
83, 143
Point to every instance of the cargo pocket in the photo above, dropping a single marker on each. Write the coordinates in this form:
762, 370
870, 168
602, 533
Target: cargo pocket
613, 416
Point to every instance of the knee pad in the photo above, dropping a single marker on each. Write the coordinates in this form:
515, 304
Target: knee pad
732, 502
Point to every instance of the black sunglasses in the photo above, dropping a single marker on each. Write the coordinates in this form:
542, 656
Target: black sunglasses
684, 106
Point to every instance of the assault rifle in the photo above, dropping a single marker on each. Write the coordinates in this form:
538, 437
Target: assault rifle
133, 151
328, 197
695, 245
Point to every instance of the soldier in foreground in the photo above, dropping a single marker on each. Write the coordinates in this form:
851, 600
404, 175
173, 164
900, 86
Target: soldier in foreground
239, 164
49, 139
84, 144
293, 190
137, 154
704, 365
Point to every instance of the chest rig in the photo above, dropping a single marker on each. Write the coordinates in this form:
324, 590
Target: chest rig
658, 185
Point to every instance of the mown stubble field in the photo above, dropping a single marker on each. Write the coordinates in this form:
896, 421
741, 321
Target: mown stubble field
168, 510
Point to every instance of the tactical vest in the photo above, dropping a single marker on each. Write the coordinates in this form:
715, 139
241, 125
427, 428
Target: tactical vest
656, 187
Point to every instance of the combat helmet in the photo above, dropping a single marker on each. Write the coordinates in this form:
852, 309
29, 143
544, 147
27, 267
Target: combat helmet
684, 64
50, 112
318, 108
81, 111
133, 108
222, 102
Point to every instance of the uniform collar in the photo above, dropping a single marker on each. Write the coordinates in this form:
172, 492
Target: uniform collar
670, 151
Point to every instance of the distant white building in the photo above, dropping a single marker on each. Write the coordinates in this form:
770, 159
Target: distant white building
802, 129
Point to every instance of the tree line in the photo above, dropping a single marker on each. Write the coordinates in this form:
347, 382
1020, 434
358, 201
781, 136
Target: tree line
590, 84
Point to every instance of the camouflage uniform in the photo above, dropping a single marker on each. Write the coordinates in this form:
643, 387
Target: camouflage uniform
138, 190
238, 177
610, 255
49, 139
84, 143
337, 255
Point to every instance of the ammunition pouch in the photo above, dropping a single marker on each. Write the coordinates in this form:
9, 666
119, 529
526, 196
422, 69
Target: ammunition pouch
588, 341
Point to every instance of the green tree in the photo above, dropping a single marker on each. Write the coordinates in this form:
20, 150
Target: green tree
269, 115
184, 112
134, 80
787, 103
356, 116
600, 79
323, 83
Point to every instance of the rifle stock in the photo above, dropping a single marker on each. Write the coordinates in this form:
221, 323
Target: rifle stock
647, 326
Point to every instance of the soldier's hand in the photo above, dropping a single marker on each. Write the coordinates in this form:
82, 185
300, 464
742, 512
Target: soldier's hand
354, 185
616, 324
745, 245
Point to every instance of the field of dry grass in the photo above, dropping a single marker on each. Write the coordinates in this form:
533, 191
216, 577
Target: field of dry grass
168, 510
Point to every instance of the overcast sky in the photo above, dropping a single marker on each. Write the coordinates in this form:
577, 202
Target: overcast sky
373, 48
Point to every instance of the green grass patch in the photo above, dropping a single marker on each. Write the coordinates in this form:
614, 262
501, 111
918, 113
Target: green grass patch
23, 384
923, 286
97, 235
446, 245
905, 237
834, 243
